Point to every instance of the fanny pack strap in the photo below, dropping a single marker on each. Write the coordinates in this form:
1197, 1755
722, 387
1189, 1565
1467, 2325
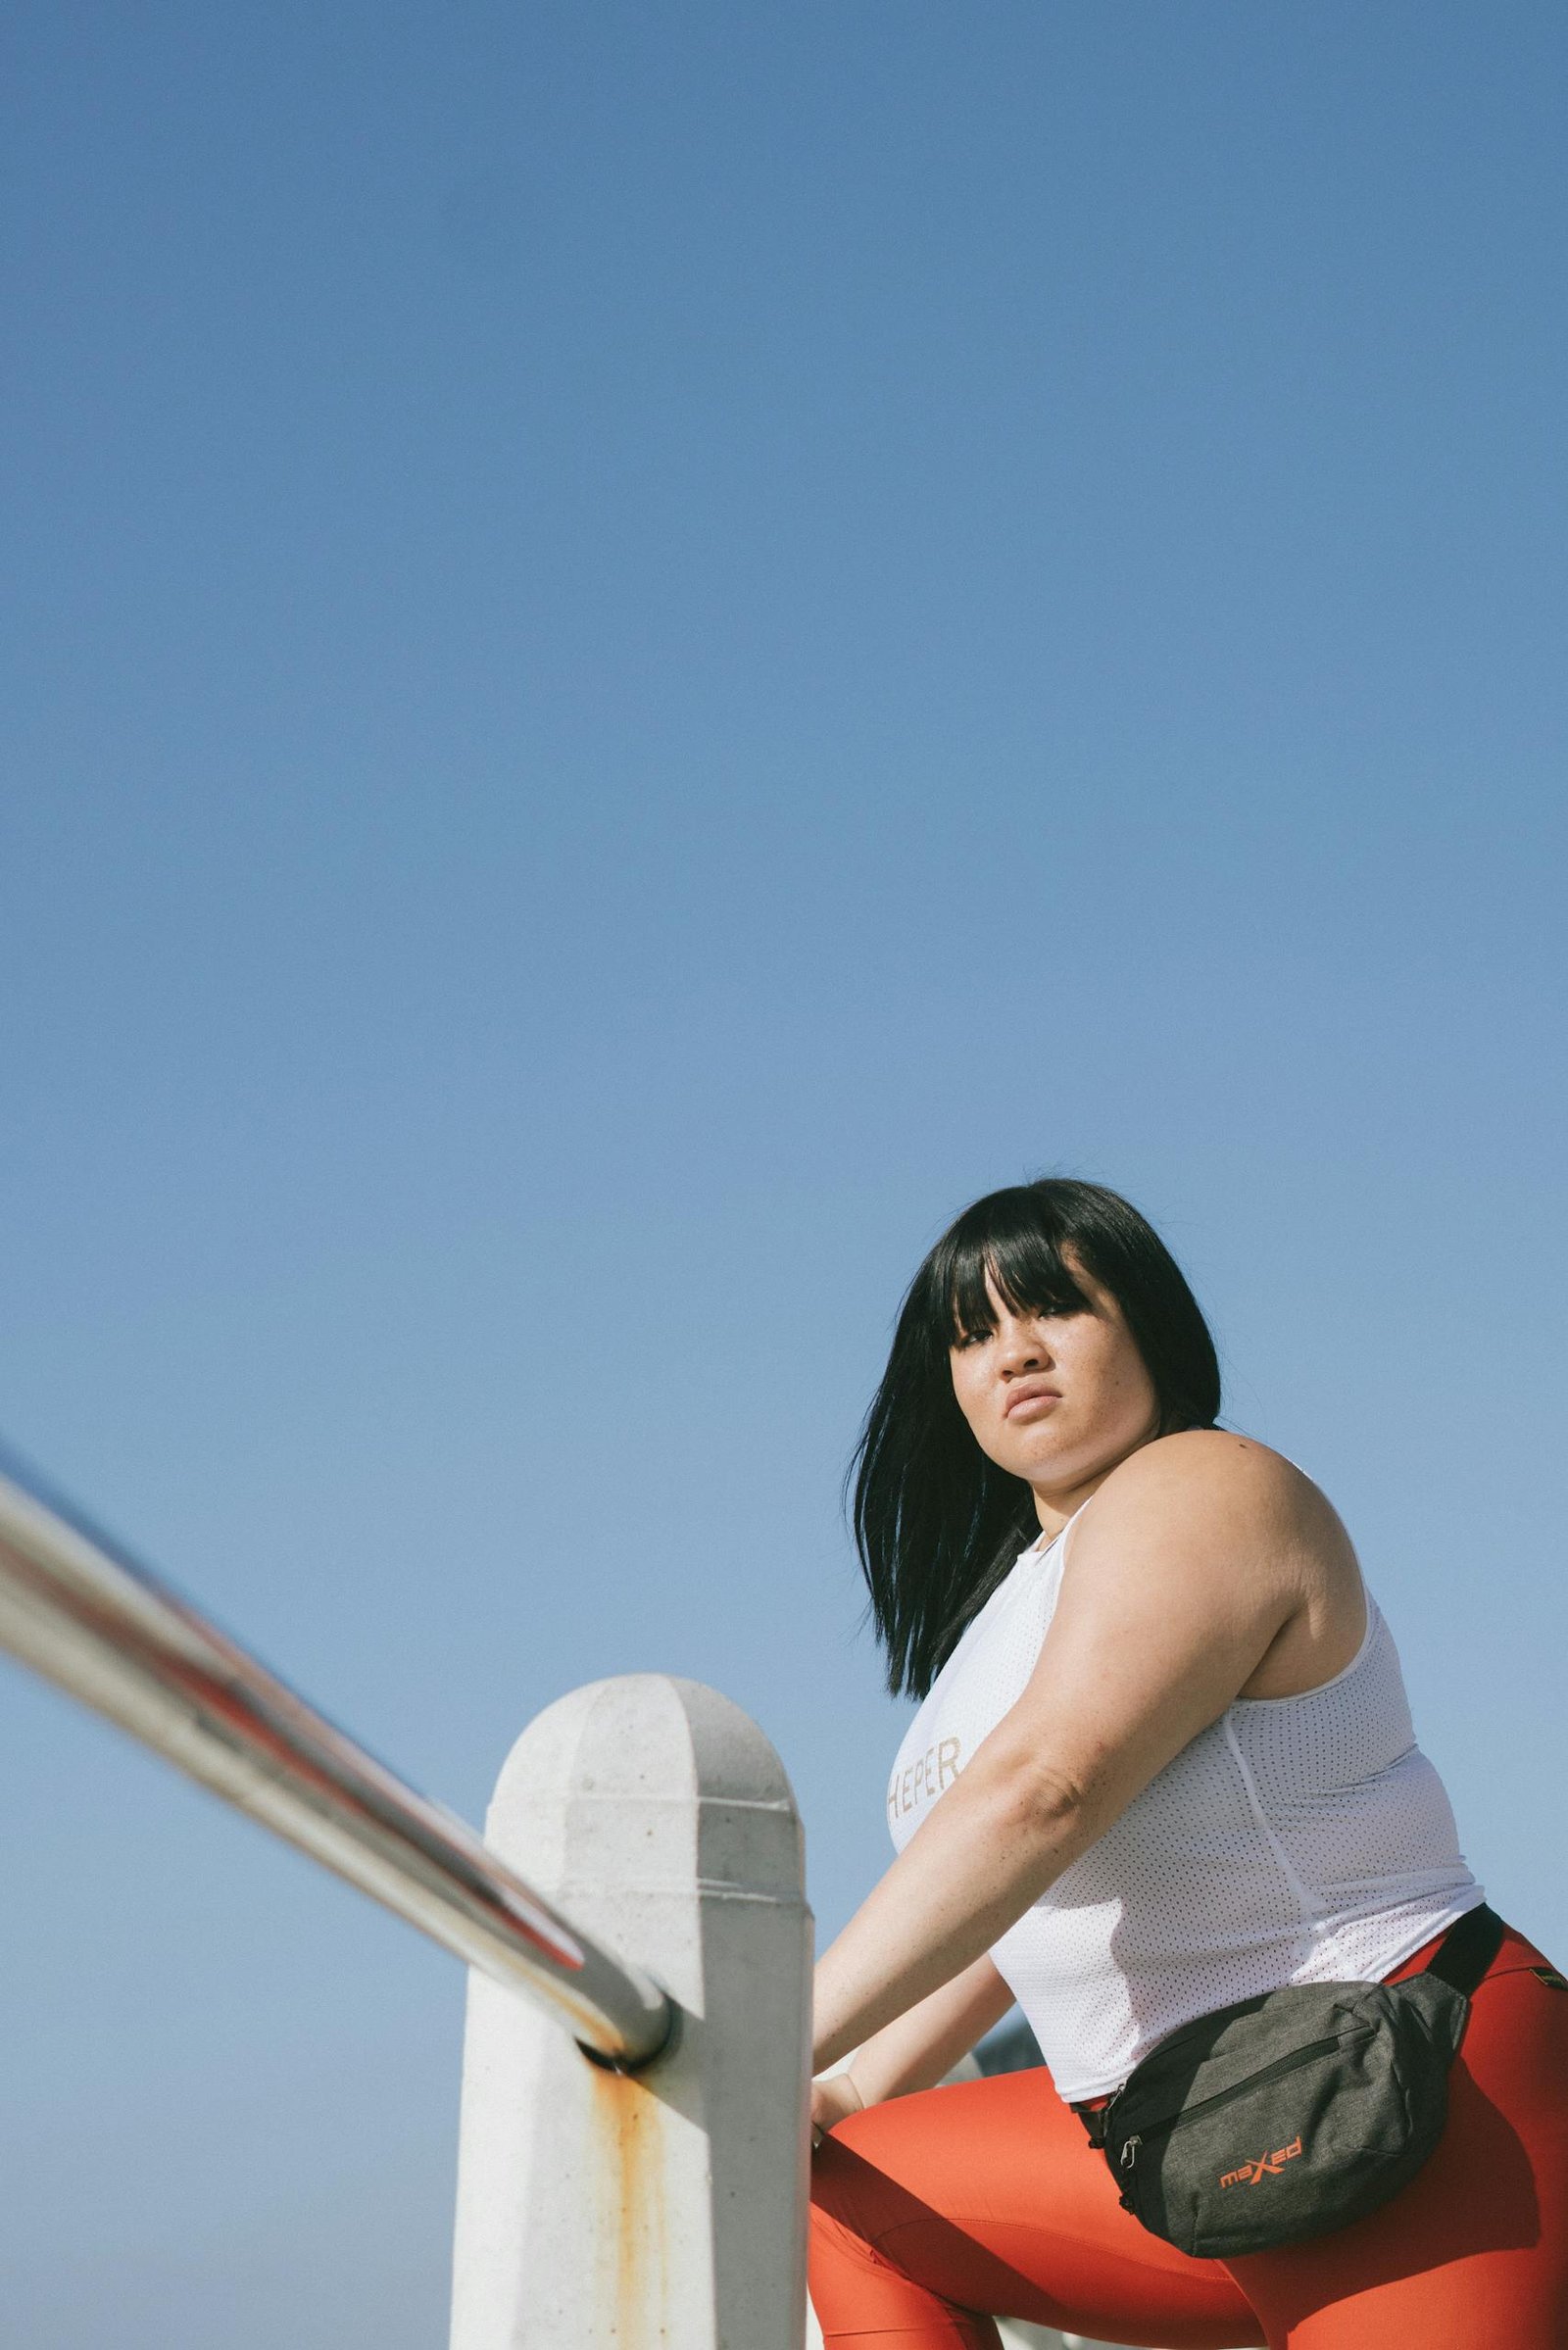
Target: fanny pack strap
1467, 1949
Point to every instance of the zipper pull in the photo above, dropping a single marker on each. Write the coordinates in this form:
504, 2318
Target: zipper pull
1129, 2152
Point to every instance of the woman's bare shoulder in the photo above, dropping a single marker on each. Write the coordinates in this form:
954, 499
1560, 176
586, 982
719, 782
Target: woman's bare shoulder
1217, 1476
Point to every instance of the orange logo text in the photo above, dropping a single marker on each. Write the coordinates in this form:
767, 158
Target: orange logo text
1266, 2165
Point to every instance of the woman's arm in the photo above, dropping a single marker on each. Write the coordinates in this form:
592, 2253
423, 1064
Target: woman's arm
1200, 1549
919, 2049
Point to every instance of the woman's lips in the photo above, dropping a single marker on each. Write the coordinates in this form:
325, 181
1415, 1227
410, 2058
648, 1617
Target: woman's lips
1031, 1403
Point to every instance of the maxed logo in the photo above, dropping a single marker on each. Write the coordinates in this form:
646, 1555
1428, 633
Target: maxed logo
1267, 2165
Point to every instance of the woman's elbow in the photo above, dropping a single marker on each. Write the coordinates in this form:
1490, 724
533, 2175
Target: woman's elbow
1048, 1802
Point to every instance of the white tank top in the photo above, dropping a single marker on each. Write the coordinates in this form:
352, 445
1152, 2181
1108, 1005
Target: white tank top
1297, 1840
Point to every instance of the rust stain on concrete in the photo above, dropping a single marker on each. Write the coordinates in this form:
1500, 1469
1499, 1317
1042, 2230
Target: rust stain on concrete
630, 2225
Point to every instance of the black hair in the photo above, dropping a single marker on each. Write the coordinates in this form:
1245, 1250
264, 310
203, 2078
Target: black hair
937, 1523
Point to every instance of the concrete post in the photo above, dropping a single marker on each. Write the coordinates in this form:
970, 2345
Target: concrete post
668, 2206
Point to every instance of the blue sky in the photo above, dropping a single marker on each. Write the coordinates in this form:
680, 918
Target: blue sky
645, 649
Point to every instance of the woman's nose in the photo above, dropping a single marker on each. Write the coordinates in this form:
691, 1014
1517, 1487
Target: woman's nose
1023, 1348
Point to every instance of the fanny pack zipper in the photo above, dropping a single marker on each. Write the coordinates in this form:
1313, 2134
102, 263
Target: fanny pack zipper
1170, 2123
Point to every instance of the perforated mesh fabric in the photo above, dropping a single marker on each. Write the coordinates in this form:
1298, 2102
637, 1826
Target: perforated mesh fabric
1297, 1840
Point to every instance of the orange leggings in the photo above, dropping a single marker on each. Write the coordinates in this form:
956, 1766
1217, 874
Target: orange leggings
987, 2196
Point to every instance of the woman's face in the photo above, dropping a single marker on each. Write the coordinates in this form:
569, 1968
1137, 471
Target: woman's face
1059, 1399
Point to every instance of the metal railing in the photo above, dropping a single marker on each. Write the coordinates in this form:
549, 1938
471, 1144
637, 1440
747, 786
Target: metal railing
74, 1608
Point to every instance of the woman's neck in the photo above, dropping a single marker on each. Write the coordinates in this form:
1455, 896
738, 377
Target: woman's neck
1054, 1504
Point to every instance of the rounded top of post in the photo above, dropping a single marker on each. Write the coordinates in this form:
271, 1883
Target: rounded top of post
641, 1733
679, 1778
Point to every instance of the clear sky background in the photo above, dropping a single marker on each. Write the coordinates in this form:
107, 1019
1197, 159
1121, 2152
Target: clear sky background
643, 648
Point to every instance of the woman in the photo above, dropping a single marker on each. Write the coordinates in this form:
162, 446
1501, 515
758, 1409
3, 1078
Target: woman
1163, 1763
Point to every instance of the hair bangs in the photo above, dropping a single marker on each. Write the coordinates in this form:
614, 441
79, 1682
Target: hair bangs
1015, 1256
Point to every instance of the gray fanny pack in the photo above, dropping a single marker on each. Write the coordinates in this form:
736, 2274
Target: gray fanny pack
1287, 2115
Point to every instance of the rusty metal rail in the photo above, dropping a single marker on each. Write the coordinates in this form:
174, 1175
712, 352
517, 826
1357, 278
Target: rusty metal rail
74, 1608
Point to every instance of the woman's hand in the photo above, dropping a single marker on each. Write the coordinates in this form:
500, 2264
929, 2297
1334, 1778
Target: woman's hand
832, 2100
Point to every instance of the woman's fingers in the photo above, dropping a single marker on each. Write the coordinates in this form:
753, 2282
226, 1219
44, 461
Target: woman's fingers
831, 2100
